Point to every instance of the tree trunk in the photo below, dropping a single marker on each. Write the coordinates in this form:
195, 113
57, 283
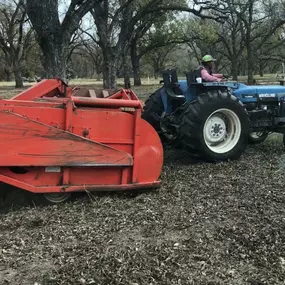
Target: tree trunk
250, 63
234, 69
8, 75
18, 79
110, 64
53, 38
137, 76
261, 68
126, 70
250, 72
54, 61
155, 66
136, 65
54, 34
85, 70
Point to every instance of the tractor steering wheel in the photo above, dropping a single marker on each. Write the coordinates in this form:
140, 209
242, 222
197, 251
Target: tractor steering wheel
227, 77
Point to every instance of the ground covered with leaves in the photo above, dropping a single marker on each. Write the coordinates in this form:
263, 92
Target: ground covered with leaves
208, 224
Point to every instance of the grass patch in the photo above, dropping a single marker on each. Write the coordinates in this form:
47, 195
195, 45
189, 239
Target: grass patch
149, 85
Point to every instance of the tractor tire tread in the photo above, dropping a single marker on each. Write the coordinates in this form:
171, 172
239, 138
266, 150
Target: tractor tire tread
153, 109
193, 119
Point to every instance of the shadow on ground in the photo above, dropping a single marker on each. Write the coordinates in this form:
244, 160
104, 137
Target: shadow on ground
12, 199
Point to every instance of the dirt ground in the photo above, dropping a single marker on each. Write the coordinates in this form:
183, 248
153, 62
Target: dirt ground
207, 224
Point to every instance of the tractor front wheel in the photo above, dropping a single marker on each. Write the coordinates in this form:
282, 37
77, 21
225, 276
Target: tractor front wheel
216, 126
257, 137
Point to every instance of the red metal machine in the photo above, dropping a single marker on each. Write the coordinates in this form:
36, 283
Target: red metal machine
55, 140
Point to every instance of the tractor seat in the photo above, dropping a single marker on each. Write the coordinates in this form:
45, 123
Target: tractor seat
192, 75
175, 93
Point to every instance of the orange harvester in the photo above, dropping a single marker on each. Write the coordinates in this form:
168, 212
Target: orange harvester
55, 138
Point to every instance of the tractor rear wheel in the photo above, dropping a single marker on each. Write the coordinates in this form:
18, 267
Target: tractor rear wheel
257, 137
153, 110
216, 125
154, 114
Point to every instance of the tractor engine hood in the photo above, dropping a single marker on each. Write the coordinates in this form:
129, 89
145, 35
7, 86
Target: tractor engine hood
258, 89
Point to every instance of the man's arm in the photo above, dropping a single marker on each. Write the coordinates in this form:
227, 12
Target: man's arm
218, 75
207, 77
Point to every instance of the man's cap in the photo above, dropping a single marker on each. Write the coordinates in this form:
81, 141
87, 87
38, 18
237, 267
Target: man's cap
208, 58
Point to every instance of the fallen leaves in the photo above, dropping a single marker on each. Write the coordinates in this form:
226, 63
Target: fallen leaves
208, 224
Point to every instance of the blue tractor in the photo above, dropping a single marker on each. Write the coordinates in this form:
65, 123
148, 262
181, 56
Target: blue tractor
216, 120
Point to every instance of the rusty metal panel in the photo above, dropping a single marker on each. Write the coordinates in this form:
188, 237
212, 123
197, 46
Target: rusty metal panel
53, 141
24, 142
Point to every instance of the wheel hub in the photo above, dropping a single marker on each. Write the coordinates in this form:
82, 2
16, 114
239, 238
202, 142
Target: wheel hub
216, 129
57, 198
222, 130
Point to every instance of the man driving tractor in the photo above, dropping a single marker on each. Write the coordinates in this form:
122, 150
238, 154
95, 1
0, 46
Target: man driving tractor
206, 69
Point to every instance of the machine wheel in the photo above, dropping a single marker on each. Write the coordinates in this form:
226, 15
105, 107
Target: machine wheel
216, 125
57, 198
154, 114
153, 110
257, 137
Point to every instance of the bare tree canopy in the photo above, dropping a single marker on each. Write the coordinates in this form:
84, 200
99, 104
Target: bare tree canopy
15, 38
54, 35
119, 22
132, 38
